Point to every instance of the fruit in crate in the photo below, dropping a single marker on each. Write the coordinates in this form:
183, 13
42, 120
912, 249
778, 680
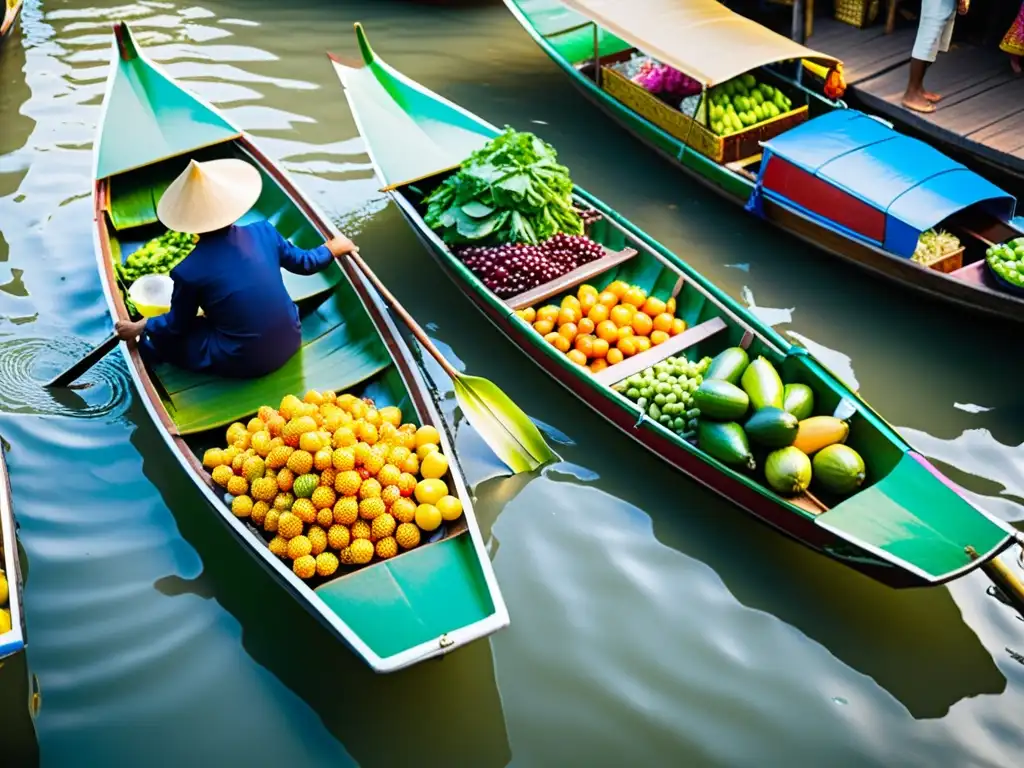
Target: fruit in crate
596, 329
317, 475
1007, 261
665, 393
788, 471
743, 102
838, 469
934, 245
509, 270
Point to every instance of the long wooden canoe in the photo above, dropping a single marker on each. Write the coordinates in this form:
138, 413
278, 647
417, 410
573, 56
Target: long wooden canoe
842, 181
908, 526
11, 10
12, 641
423, 603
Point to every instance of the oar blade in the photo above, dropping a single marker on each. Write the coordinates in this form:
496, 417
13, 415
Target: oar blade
502, 424
90, 359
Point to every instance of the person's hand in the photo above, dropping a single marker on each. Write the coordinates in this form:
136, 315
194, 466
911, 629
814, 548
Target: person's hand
339, 245
963, 6
128, 330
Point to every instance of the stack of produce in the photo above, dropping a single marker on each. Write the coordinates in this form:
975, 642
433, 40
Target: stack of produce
5, 611
932, 246
512, 190
780, 420
743, 102
1007, 261
157, 257
331, 480
596, 329
665, 393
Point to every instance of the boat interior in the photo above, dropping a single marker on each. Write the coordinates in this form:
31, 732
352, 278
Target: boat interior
710, 328
341, 351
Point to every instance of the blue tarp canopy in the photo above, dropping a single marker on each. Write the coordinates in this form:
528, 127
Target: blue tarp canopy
915, 185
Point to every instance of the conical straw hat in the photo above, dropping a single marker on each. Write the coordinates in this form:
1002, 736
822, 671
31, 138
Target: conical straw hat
209, 196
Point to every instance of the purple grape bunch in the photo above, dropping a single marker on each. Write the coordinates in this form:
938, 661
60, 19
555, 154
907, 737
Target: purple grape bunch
511, 269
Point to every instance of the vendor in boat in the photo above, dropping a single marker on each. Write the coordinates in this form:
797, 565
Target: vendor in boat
250, 325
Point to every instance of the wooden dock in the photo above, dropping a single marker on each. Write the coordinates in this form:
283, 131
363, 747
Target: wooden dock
981, 114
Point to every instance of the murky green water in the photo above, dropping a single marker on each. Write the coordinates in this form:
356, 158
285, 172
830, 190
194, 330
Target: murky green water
652, 624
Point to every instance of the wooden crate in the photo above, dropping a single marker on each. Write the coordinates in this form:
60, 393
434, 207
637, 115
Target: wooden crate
857, 13
722, 149
948, 263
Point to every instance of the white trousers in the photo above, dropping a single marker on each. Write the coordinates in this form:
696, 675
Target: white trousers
934, 29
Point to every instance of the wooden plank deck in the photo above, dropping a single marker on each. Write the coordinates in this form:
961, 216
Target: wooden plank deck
982, 112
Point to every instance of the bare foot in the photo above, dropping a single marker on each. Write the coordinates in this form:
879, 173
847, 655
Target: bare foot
918, 102
1015, 64
932, 97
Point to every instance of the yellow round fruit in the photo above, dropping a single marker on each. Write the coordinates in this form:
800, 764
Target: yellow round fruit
325, 518
289, 525
428, 517
391, 415
313, 397
338, 537
221, 475
407, 536
304, 510
344, 437
311, 441
235, 432
362, 453
243, 441
411, 465
213, 457
430, 490
407, 436
374, 463
389, 475
369, 488
424, 449
278, 457
255, 425
427, 434
343, 459
326, 564
278, 546
386, 548
390, 494
449, 507
300, 462
387, 434
360, 530
259, 512
373, 417
261, 443
265, 413
434, 466
237, 486
299, 546
253, 468
345, 556
323, 498
403, 510
285, 479
347, 483
367, 432
398, 454
305, 567
407, 483
346, 400
361, 551
241, 506
327, 477
264, 489
270, 524
275, 425
383, 525
317, 540
371, 507
346, 510
322, 459
290, 404
283, 501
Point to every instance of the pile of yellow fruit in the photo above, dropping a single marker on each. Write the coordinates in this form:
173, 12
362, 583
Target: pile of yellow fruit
334, 480
5, 611
600, 328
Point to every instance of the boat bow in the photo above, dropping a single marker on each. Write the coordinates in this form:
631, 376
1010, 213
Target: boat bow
409, 135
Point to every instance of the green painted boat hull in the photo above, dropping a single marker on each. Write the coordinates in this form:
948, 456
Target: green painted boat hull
917, 536
421, 604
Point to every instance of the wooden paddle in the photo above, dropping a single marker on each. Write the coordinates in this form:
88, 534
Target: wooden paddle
501, 423
92, 357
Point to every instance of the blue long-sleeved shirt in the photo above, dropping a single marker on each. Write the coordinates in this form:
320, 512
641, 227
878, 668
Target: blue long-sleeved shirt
251, 325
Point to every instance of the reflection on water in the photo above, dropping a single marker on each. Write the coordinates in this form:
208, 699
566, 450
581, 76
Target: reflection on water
649, 617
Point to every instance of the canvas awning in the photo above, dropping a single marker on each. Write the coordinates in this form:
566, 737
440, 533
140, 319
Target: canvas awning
702, 38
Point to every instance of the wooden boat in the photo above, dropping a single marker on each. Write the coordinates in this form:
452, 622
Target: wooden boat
908, 526
11, 10
12, 641
423, 603
803, 172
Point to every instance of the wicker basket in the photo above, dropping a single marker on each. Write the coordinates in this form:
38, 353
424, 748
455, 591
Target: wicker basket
722, 149
948, 263
857, 13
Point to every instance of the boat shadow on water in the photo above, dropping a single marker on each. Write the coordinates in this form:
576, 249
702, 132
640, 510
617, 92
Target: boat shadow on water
355, 704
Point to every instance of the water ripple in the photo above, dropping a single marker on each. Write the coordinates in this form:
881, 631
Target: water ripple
27, 363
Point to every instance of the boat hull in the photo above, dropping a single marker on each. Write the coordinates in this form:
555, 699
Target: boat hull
9, 19
797, 527
737, 188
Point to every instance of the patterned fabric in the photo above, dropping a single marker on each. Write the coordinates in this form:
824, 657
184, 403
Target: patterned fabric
1014, 40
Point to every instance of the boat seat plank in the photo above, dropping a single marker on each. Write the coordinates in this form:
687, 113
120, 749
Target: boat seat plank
569, 279
641, 362
337, 353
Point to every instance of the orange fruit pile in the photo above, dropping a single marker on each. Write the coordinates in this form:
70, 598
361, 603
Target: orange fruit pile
596, 329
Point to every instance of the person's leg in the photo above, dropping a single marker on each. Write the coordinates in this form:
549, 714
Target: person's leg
934, 28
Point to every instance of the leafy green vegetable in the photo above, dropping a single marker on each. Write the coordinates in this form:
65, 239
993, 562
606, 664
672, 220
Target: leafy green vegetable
157, 257
934, 245
512, 190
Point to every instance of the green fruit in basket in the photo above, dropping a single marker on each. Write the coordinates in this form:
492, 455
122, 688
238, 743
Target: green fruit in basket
748, 80
728, 365
719, 399
762, 383
757, 97
839, 469
788, 470
726, 442
772, 427
798, 399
